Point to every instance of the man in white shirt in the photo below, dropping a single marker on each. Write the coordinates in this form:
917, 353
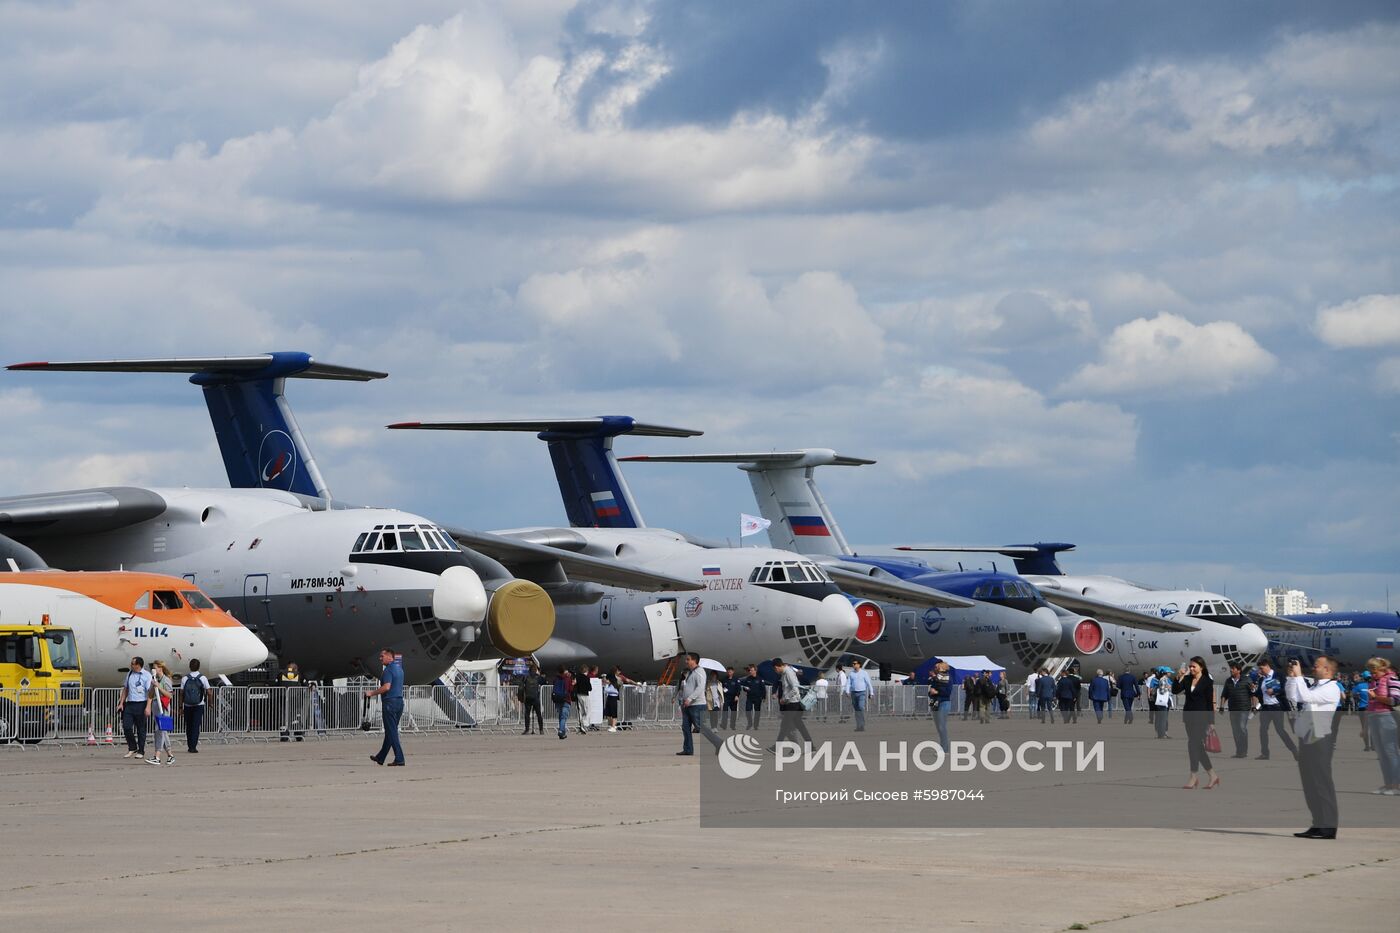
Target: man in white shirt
1030, 692
843, 688
861, 688
135, 706
1316, 703
820, 689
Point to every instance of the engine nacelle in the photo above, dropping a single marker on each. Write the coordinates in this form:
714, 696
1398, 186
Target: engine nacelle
870, 621
1080, 635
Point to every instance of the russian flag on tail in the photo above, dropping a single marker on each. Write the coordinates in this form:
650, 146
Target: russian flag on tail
809, 525
605, 505
1385, 641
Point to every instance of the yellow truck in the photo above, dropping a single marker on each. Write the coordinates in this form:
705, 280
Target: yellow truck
41, 682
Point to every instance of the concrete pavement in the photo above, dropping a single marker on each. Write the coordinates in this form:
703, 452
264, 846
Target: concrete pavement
599, 830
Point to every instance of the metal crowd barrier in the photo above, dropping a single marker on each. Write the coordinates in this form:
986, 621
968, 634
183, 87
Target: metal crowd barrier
300, 711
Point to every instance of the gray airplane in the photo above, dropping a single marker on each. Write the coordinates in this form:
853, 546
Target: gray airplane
758, 603
323, 583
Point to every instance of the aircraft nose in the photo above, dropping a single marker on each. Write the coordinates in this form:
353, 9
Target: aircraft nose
1252, 640
460, 596
1043, 626
235, 650
836, 617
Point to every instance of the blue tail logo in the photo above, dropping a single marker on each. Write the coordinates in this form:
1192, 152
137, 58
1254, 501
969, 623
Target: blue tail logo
278, 456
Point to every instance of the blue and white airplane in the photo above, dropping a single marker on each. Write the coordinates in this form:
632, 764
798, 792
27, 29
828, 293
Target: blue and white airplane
1009, 622
1096, 631
1352, 638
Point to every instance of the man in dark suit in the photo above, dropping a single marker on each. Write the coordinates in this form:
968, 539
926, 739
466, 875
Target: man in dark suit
1127, 693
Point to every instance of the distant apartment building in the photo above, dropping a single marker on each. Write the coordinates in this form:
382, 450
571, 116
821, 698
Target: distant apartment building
1281, 601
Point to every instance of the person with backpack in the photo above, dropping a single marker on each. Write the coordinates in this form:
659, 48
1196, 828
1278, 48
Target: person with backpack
528, 693
194, 690
986, 696
561, 693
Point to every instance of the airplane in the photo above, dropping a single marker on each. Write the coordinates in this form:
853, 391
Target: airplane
1094, 631
759, 603
1214, 615
321, 582
1352, 638
116, 615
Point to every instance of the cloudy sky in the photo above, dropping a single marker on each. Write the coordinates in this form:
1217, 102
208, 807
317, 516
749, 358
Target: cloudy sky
1112, 274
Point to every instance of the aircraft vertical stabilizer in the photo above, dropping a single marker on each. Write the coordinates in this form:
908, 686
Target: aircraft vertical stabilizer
595, 494
262, 446
787, 495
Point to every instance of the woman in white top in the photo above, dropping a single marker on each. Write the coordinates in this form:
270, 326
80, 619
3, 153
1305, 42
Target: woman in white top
714, 697
164, 690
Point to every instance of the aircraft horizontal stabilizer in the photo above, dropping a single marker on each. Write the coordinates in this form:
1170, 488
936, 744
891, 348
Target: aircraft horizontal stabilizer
579, 568
863, 586
232, 368
1276, 623
601, 426
1107, 612
81, 511
789, 458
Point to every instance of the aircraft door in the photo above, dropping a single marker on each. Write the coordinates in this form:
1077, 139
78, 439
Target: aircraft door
909, 635
257, 604
1127, 647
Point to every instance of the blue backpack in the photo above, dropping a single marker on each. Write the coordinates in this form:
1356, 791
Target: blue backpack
192, 690
560, 693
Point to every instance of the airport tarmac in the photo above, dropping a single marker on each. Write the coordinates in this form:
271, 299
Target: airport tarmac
602, 831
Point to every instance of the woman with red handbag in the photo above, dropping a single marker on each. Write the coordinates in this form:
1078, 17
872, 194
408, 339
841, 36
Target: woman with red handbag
1199, 713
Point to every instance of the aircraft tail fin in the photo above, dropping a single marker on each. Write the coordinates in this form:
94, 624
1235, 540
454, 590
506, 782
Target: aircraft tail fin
595, 494
258, 435
1031, 559
787, 494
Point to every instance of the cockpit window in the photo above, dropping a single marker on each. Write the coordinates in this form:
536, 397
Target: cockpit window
143, 601
166, 599
197, 600
789, 572
388, 538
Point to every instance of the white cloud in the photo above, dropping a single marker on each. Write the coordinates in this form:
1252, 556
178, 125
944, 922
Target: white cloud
1387, 376
1169, 355
1370, 321
1309, 97
646, 307
951, 421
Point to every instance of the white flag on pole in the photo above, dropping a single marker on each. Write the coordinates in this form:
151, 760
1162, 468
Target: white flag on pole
752, 525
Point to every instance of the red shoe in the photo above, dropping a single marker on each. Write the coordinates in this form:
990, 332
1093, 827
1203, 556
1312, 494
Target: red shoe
1213, 784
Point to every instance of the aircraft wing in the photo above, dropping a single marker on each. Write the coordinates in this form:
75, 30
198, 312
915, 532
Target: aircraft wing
578, 567
1107, 612
1276, 623
863, 586
81, 511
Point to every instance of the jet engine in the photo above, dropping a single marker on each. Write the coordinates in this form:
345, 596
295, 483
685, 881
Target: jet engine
518, 615
870, 621
1079, 635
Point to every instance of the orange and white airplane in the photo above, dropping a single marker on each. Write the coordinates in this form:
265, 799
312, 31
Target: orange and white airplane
121, 614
